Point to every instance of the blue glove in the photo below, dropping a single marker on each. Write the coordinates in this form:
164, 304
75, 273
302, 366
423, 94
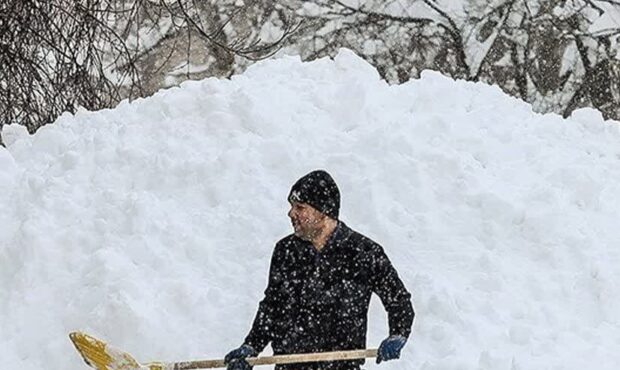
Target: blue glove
235, 359
390, 348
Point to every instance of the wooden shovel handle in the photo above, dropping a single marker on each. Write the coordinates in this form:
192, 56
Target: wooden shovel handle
283, 359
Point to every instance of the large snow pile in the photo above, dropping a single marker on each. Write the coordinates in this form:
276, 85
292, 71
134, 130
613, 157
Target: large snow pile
151, 225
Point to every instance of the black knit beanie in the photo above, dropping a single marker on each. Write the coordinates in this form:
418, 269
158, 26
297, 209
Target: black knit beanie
319, 190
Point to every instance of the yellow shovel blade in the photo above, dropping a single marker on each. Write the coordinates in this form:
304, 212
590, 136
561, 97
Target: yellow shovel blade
100, 356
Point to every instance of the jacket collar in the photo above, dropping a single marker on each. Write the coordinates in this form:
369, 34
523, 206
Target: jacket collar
341, 232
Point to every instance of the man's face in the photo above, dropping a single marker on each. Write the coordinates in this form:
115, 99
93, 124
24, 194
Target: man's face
306, 220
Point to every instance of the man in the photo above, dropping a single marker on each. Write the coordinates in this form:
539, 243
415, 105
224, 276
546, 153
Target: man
320, 282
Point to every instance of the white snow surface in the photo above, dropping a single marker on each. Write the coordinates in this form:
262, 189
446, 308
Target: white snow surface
151, 225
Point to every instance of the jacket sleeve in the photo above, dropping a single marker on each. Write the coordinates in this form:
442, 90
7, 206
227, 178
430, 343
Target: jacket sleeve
269, 311
385, 282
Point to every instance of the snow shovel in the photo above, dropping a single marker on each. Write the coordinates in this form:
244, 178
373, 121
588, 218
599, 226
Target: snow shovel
101, 356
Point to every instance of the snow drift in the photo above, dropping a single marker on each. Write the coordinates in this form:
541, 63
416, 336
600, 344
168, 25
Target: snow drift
151, 225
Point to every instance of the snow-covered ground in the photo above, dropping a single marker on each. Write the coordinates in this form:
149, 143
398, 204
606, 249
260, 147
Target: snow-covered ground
151, 225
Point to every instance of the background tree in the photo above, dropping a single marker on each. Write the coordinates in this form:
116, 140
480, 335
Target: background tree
58, 55
558, 55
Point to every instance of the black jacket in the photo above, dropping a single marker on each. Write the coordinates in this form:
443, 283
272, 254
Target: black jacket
317, 301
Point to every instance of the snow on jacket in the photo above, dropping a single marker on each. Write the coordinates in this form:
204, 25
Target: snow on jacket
317, 301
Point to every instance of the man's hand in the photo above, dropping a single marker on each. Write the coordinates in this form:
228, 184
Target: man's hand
390, 348
235, 359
